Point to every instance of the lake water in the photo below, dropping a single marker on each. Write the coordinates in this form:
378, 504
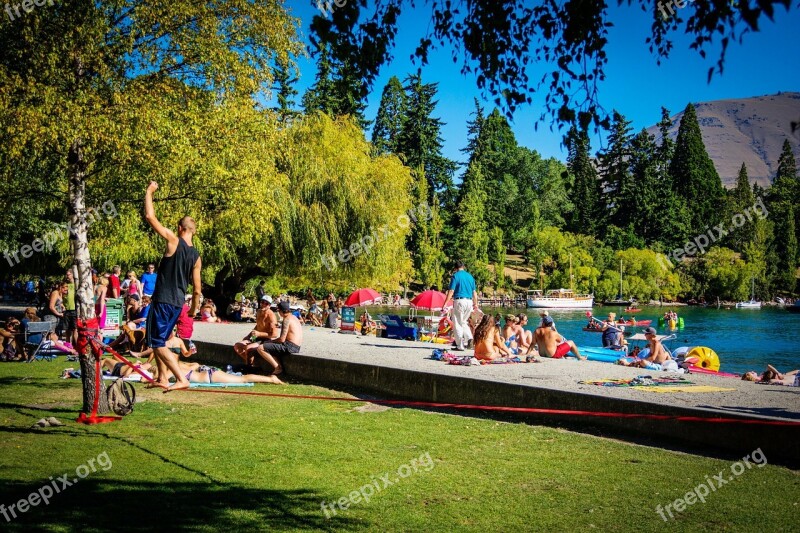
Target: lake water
743, 339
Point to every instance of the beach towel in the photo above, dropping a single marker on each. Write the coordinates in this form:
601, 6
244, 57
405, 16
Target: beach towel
196, 385
690, 388
640, 381
133, 377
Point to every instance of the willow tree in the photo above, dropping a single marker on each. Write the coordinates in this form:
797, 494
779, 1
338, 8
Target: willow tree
84, 82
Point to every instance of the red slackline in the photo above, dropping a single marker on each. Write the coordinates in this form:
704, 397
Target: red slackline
568, 412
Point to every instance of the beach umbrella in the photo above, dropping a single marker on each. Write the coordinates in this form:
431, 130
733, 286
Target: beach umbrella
430, 299
362, 297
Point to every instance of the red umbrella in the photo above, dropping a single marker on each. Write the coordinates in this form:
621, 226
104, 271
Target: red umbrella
362, 297
433, 300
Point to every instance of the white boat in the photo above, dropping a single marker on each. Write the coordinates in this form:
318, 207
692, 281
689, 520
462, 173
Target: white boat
559, 299
753, 303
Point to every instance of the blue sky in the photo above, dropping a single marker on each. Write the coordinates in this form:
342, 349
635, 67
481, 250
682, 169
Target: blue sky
765, 63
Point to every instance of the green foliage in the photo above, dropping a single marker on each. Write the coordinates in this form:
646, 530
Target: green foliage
741, 198
720, 273
584, 186
350, 52
420, 143
694, 177
614, 168
472, 241
390, 118
497, 256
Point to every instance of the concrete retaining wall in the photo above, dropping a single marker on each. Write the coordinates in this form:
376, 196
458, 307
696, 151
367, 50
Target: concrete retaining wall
779, 443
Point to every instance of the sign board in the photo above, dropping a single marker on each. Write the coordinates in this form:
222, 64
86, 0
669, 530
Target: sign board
348, 319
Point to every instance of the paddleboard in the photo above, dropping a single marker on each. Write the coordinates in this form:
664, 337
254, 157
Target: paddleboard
603, 355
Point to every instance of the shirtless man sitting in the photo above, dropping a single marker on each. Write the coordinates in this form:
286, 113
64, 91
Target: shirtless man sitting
266, 330
550, 343
289, 342
659, 358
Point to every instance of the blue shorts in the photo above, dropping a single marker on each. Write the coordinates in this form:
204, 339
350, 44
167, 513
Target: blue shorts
161, 321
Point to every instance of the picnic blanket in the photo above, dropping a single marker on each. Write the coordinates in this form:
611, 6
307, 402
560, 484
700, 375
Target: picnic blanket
638, 381
690, 388
468, 360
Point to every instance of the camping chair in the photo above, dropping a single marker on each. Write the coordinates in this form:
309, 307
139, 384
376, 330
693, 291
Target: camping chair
396, 328
40, 331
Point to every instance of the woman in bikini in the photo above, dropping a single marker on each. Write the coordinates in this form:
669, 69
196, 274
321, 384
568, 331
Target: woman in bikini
208, 374
771, 376
488, 344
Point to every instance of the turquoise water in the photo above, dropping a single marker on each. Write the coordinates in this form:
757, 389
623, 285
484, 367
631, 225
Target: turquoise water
743, 339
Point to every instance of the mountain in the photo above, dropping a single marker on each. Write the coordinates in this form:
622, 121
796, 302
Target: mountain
749, 130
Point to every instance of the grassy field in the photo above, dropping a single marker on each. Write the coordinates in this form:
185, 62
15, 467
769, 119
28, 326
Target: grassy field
198, 461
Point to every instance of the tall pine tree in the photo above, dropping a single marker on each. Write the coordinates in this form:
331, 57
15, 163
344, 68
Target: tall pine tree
420, 141
284, 84
472, 238
584, 188
390, 118
784, 195
614, 165
693, 174
741, 198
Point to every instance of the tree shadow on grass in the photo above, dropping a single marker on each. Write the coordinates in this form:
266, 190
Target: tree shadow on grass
125, 505
40, 383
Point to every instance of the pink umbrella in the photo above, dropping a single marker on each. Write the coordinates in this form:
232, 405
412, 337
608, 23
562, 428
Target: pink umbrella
362, 297
433, 300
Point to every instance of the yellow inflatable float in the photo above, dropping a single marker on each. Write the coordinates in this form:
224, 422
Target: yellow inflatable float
705, 357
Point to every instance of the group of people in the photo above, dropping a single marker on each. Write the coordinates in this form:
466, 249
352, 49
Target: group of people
486, 337
271, 340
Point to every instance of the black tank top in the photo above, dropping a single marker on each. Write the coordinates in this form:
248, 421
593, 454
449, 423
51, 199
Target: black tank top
174, 275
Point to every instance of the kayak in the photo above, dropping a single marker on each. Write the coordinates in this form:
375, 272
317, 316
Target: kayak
632, 310
637, 322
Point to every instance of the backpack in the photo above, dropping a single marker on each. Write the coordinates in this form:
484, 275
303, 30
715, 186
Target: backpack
121, 397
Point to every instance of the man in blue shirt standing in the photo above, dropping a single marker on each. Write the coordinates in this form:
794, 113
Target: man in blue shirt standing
149, 280
465, 300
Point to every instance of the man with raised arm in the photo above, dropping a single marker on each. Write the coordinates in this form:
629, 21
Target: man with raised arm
179, 267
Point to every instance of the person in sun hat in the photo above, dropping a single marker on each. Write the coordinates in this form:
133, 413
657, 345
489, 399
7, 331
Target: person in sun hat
659, 358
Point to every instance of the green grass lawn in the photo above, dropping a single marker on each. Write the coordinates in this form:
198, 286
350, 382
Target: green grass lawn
197, 461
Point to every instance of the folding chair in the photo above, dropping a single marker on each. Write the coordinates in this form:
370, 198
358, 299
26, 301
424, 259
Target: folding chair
40, 331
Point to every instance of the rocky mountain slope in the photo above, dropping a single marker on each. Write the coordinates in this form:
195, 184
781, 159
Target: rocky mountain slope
749, 130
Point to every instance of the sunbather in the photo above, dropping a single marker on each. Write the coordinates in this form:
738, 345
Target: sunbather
208, 374
550, 343
121, 370
488, 344
772, 377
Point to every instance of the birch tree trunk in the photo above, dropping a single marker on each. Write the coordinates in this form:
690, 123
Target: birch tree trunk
82, 266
